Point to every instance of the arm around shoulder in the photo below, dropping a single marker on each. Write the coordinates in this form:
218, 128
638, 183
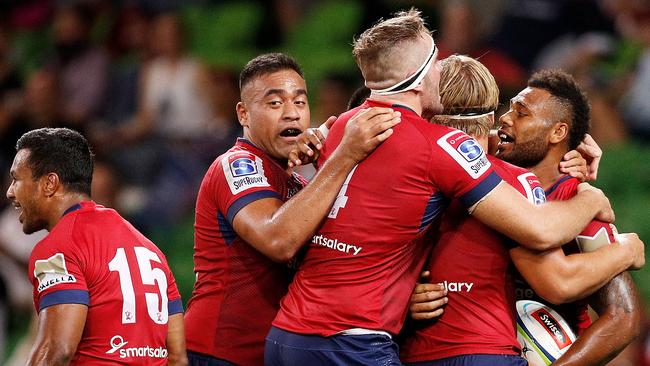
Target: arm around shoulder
279, 229
561, 278
544, 226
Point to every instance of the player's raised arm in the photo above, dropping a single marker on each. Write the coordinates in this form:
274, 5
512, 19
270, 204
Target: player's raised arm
279, 230
545, 226
59, 332
567, 278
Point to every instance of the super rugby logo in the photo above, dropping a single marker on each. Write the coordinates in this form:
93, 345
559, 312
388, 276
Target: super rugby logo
243, 170
52, 271
466, 152
117, 343
539, 196
470, 150
552, 327
532, 186
242, 166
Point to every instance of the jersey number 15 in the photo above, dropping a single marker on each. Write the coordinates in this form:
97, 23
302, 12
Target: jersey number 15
158, 311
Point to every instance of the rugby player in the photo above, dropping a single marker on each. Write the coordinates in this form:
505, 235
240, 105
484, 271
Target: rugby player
246, 221
103, 292
350, 294
545, 120
473, 261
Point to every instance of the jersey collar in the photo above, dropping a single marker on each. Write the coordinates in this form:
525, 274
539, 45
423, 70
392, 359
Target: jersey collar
248, 145
79, 206
557, 184
404, 109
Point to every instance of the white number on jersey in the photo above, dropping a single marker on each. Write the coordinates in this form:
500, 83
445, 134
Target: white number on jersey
158, 311
341, 198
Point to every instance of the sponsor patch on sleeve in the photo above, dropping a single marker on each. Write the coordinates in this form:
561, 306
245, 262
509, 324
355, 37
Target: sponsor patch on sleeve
51, 272
243, 171
466, 151
534, 191
597, 234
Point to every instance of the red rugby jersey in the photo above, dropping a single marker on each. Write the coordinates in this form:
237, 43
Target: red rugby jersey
473, 262
237, 290
576, 314
96, 258
362, 264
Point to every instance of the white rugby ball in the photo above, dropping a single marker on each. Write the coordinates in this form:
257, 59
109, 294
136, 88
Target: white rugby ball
542, 333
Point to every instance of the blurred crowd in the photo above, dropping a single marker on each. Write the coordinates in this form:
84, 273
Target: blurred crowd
133, 78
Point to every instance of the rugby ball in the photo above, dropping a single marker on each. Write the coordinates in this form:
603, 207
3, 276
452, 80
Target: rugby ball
542, 333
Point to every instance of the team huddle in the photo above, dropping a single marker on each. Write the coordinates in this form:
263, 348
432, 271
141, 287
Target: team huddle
410, 245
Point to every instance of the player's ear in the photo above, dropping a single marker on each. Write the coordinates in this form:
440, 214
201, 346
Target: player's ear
242, 114
50, 184
559, 132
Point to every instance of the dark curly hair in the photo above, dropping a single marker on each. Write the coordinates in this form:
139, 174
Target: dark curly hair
566, 90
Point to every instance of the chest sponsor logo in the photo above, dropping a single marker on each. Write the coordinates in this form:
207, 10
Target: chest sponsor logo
337, 245
466, 152
524, 294
458, 286
51, 272
244, 170
551, 325
523, 290
117, 344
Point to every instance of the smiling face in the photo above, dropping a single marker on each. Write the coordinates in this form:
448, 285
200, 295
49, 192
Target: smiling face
274, 110
24, 193
526, 127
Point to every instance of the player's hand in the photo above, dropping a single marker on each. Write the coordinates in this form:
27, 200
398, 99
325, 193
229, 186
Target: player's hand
592, 153
366, 130
427, 300
636, 247
574, 165
308, 144
605, 213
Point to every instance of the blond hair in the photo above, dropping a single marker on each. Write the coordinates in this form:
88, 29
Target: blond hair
467, 87
374, 49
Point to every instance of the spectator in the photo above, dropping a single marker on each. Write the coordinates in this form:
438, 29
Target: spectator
82, 67
175, 117
464, 31
10, 98
634, 107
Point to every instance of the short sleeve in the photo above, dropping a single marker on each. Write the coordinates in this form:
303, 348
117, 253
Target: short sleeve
242, 178
175, 303
56, 271
595, 235
460, 168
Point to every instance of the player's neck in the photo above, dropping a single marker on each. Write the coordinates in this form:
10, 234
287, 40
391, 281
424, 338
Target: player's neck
61, 204
548, 170
407, 99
